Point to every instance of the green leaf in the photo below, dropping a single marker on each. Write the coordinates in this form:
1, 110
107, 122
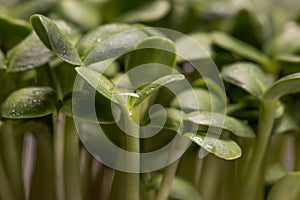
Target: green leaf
158, 10
15, 31
194, 99
30, 102
218, 120
274, 173
152, 50
98, 81
77, 104
81, 13
286, 42
286, 85
153, 56
28, 54
240, 48
24, 9
173, 121
221, 147
180, 188
247, 76
289, 59
54, 39
115, 46
194, 46
100, 34
287, 188
154, 86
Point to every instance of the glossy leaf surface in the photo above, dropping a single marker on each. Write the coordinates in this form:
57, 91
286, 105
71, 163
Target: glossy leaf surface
221, 147
247, 76
28, 54
115, 46
55, 39
100, 34
154, 86
221, 121
98, 81
29, 102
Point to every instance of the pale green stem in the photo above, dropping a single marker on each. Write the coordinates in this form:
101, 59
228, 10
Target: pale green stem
42, 183
12, 159
86, 174
166, 181
72, 163
5, 189
252, 180
59, 137
297, 152
132, 145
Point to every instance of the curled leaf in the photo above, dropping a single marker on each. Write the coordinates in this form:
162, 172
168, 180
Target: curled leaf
286, 85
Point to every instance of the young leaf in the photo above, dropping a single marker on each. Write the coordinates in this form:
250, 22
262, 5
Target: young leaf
221, 147
235, 126
286, 42
12, 31
157, 57
194, 46
288, 184
28, 54
194, 99
30, 102
100, 34
115, 46
24, 9
78, 103
158, 10
180, 188
240, 48
173, 121
289, 59
247, 76
152, 50
286, 85
154, 86
102, 85
54, 39
81, 13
